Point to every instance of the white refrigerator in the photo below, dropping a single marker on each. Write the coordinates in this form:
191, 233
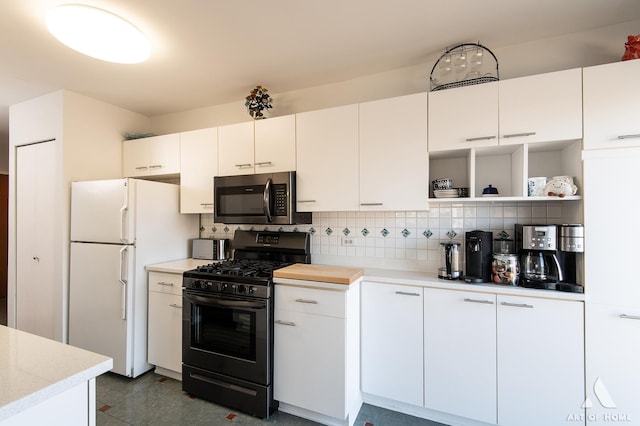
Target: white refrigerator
117, 228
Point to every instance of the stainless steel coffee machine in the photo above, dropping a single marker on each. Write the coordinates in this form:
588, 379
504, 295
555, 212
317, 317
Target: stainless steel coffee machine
547, 260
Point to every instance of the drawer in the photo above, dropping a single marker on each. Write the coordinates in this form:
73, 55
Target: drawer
310, 300
163, 282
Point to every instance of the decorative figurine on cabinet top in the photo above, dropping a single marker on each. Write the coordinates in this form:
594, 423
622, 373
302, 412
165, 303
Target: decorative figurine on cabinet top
632, 48
257, 101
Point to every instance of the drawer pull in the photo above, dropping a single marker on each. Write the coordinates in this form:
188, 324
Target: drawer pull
156, 166
289, 323
406, 293
206, 204
370, 204
175, 305
244, 165
517, 305
166, 284
517, 135
142, 168
480, 138
264, 163
485, 302
306, 201
632, 317
629, 136
312, 302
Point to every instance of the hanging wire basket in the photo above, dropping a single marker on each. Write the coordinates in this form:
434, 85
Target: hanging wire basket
464, 65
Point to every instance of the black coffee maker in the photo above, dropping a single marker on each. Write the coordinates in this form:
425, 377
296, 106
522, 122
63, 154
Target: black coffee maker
478, 253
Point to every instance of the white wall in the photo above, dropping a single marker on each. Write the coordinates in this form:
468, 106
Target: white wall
589, 48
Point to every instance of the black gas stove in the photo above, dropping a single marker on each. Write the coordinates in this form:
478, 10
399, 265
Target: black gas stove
227, 315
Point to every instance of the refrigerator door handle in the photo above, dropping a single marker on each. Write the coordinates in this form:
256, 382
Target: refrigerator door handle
123, 281
123, 216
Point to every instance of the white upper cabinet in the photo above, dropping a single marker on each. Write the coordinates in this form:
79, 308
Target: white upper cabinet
393, 154
611, 105
327, 159
157, 155
541, 108
199, 164
464, 117
235, 149
275, 144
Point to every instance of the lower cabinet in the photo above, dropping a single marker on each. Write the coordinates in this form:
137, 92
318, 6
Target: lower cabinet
316, 353
460, 353
490, 358
613, 370
391, 317
165, 323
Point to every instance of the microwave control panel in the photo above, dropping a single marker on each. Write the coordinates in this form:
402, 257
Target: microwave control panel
280, 199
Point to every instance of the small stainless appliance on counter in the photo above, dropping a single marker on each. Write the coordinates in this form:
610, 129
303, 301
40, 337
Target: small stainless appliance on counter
210, 248
450, 268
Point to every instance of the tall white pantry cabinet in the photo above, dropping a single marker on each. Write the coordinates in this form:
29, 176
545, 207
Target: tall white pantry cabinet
53, 140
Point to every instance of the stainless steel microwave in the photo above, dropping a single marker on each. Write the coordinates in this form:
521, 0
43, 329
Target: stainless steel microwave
266, 198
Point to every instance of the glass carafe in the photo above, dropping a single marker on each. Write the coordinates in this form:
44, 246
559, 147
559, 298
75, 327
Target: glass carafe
534, 266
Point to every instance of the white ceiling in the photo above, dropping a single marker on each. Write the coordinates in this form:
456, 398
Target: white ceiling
209, 52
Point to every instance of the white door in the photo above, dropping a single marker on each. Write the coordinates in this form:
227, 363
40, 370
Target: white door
38, 297
100, 301
102, 211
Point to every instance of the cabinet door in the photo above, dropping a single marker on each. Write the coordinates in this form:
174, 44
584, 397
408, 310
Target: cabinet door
164, 154
309, 362
38, 297
393, 138
235, 149
611, 102
465, 117
327, 159
613, 371
391, 354
275, 144
540, 360
541, 108
135, 157
460, 353
165, 331
198, 165
609, 203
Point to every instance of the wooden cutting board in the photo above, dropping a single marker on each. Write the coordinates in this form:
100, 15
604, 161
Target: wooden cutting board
323, 273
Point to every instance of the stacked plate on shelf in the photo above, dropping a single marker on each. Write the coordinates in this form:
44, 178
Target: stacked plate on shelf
446, 193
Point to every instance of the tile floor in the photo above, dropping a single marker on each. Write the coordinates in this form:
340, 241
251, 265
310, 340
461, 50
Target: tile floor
152, 399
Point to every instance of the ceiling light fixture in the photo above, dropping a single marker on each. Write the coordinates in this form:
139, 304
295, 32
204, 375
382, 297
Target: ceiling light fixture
98, 33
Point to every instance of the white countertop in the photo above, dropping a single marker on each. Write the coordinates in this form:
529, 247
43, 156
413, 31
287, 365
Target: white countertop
34, 369
178, 266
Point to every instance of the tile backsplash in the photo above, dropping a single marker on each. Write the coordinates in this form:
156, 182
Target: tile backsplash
408, 240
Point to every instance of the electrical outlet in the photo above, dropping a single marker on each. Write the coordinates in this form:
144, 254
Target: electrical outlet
349, 241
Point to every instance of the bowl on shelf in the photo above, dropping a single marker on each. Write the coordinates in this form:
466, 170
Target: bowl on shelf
490, 191
446, 193
442, 183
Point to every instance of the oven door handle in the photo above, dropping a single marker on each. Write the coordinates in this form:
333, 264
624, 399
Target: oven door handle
243, 304
266, 199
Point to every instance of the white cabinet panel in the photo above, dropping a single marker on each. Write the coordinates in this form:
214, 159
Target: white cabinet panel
275, 144
235, 149
540, 360
198, 165
157, 155
541, 108
165, 331
393, 154
392, 336
327, 159
460, 353
613, 371
611, 103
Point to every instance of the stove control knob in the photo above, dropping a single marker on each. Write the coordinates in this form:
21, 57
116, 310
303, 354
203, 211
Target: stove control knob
241, 289
197, 284
208, 284
250, 289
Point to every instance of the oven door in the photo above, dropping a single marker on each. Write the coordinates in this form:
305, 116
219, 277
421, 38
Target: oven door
229, 335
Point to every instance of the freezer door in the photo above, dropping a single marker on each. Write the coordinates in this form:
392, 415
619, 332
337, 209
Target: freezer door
102, 211
101, 315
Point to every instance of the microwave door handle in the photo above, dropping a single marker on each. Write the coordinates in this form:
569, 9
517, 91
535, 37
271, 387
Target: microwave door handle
266, 199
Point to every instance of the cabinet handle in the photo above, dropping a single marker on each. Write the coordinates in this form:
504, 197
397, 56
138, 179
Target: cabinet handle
629, 136
264, 163
244, 165
167, 284
142, 168
156, 166
312, 302
175, 305
480, 138
370, 204
289, 323
517, 305
206, 204
633, 317
486, 302
406, 293
306, 201
517, 135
